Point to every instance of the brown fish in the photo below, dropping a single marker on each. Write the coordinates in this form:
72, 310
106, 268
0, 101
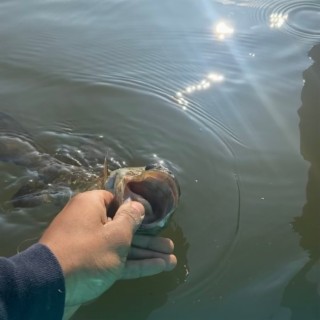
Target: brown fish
154, 186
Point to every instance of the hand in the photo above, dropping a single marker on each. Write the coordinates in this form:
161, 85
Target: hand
95, 251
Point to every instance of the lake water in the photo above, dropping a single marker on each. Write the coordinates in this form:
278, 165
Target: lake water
227, 93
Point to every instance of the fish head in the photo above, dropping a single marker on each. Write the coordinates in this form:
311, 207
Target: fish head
154, 186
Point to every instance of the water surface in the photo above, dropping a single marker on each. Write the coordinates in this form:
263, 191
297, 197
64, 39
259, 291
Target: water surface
223, 92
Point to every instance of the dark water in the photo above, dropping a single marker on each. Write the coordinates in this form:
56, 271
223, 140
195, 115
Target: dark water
212, 88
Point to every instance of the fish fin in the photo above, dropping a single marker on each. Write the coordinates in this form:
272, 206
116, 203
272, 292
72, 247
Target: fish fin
105, 173
106, 167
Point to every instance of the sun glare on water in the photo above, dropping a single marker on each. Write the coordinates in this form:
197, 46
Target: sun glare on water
204, 84
223, 29
276, 20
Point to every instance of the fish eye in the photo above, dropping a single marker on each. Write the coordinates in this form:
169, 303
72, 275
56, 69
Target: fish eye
152, 166
160, 167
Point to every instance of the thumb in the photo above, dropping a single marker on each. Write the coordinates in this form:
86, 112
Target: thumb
130, 215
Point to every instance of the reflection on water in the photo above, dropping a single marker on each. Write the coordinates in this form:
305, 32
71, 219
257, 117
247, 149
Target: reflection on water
277, 20
295, 17
302, 294
182, 96
223, 29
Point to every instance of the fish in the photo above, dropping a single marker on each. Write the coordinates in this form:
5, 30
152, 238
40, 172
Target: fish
53, 181
153, 185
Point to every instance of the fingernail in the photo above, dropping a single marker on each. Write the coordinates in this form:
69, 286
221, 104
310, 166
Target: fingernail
137, 206
127, 200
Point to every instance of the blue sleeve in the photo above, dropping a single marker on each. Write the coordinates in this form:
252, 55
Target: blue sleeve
31, 286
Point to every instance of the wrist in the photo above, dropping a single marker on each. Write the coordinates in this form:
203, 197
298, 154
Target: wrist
69, 312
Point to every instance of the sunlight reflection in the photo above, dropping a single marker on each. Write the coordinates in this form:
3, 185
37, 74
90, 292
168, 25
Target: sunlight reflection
160, 161
277, 20
114, 161
223, 30
207, 82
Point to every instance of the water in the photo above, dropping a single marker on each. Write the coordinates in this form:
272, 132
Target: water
213, 89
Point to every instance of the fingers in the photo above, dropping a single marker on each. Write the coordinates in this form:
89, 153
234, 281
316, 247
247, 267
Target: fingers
92, 203
106, 196
98, 197
129, 215
158, 244
139, 254
147, 267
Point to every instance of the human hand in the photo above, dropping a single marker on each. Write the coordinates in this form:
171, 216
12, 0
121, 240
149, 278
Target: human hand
95, 251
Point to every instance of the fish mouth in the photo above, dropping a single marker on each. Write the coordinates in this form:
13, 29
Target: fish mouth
157, 191
156, 197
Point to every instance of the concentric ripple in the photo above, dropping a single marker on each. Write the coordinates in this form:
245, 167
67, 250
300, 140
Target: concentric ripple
297, 18
304, 22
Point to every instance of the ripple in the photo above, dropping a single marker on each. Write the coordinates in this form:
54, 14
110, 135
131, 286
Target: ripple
300, 19
304, 21
186, 140
297, 18
194, 109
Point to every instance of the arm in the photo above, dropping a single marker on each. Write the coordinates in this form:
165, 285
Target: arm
79, 256
31, 285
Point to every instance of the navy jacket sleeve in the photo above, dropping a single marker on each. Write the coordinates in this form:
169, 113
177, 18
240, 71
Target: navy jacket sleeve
31, 286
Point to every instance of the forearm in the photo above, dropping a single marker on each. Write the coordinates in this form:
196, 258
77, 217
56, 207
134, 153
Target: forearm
31, 286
